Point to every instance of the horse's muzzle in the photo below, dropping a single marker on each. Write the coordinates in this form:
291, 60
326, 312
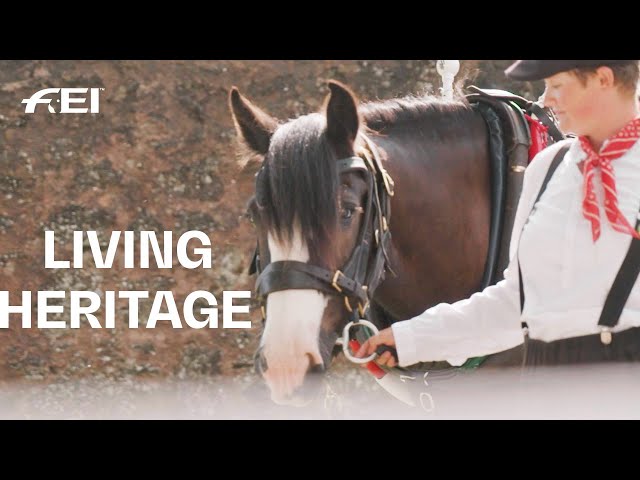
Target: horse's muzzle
260, 364
310, 389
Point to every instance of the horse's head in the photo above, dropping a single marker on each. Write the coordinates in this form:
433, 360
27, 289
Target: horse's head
310, 211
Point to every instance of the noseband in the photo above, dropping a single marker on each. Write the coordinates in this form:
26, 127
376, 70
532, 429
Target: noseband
359, 277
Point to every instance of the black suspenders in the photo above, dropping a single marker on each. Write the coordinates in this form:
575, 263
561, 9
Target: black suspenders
552, 168
621, 289
622, 285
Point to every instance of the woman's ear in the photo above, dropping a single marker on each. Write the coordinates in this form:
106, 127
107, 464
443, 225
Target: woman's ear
605, 76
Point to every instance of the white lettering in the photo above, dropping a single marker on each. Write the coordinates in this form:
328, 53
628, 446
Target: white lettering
150, 236
171, 315
229, 309
148, 240
205, 253
133, 296
95, 100
65, 100
36, 98
212, 313
6, 309
49, 252
109, 309
77, 309
128, 249
78, 249
97, 251
44, 309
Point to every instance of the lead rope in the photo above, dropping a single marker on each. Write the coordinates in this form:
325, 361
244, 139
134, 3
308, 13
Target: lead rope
396, 381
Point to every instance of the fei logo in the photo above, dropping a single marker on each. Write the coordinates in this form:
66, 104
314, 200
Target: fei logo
65, 100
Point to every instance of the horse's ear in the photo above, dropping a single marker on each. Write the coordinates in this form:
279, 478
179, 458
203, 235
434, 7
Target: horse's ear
343, 120
253, 125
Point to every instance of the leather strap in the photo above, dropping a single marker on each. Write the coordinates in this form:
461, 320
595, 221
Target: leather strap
291, 274
365, 268
351, 163
552, 168
622, 285
545, 118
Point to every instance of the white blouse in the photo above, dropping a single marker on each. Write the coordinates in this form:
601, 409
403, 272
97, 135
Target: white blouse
566, 276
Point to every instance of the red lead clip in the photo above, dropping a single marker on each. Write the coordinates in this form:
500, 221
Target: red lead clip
391, 383
372, 366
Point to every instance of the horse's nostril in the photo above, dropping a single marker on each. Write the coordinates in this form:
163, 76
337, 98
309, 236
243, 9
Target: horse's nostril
314, 367
259, 362
313, 381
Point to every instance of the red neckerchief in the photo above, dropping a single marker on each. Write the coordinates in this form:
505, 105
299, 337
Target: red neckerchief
617, 146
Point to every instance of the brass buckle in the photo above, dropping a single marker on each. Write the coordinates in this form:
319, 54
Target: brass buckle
348, 304
334, 281
388, 182
368, 161
362, 309
605, 335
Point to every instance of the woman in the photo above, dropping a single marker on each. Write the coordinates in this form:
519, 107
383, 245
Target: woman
568, 249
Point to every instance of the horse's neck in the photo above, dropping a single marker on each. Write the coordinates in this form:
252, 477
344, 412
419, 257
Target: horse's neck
439, 218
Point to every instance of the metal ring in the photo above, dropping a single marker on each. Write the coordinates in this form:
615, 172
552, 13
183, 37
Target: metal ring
432, 405
345, 341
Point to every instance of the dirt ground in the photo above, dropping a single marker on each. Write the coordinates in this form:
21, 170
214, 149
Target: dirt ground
603, 392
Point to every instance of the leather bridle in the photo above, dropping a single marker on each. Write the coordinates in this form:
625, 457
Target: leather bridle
365, 269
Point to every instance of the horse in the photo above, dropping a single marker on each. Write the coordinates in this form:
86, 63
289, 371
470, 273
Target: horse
326, 185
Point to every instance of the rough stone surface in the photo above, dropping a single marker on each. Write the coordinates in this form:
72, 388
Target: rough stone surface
161, 155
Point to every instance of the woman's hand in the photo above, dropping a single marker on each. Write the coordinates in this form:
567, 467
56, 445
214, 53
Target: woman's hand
384, 337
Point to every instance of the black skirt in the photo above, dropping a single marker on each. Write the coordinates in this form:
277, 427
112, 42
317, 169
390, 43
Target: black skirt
624, 347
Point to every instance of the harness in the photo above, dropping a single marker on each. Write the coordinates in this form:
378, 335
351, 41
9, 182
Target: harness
357, 280
513, 134
510, 143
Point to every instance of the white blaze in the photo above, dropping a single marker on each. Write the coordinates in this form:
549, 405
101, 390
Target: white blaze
290, 338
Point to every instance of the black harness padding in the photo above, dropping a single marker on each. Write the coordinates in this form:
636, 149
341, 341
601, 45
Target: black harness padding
543, 114
498, 176
254, 266
509, 143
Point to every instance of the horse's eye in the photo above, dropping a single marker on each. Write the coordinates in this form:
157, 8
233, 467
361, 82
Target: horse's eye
347, 213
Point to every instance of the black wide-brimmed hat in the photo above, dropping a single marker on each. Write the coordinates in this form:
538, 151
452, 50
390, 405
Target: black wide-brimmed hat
539, 69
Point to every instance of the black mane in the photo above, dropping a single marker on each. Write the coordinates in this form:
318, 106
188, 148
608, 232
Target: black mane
299, 180
415, 112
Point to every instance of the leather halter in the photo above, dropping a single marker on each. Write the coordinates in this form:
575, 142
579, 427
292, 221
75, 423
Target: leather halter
359, 277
